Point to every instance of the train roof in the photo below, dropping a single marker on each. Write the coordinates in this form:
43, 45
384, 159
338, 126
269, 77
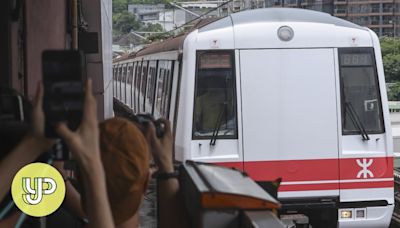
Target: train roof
285, 15
246, 17
174, 43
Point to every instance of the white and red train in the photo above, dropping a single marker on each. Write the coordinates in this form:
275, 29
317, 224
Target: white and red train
278, 93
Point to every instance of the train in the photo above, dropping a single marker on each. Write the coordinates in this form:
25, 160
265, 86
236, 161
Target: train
281, 94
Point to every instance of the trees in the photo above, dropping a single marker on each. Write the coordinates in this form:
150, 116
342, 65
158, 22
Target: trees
391, 58
119, 6
391, 64
390, 48
152, 28
124, 22
394, 92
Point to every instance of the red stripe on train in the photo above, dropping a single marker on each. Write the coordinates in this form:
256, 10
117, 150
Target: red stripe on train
335, 186
309, 187
318, 170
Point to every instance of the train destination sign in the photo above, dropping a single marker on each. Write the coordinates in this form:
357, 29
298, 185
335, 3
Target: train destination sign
215, 60
364, 59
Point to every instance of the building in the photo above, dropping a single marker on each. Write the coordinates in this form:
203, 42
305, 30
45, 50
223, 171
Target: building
146, 12
169, 19
382, 16
172, 19
182, 12
326, 6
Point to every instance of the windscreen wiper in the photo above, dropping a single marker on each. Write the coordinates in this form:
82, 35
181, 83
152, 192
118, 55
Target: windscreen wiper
218, 125
356, 121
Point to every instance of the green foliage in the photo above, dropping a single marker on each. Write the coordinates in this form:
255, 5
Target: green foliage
390, 48
125, 22
391, 58
157, 37
119, 6
394, 92
152, 28
390, 45
391, 64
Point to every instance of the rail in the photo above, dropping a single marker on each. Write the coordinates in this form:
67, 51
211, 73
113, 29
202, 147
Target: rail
396, 212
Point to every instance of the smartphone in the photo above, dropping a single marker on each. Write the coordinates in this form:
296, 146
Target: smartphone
63, 76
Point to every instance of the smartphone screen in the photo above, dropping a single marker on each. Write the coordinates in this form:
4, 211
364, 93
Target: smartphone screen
63, 73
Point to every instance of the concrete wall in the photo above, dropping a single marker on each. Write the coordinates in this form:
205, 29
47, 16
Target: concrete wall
44, 24
98, 14
106, 19
45, 29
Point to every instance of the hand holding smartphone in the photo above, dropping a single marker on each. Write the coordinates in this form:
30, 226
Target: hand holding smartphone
63, 76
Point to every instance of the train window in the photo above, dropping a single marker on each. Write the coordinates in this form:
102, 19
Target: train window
167, 90
153, 83
130, 75
123, 85
124, 74
133, 84
360, 95
114, 80
215, 96
119, 82
143, 81
137, 85
150, 86
163, 89
159, 90
119, 73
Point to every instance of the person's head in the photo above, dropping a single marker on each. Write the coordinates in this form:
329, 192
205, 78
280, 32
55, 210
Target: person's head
125, 156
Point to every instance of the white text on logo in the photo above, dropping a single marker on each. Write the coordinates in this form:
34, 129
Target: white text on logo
34, 195
365, 172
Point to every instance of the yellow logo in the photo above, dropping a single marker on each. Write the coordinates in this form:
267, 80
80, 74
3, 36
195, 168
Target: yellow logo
38, 189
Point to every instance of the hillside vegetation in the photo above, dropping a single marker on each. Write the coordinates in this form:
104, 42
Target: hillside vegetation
125, 22
391, 63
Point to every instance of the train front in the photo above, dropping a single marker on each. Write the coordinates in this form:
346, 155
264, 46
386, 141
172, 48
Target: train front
297, 95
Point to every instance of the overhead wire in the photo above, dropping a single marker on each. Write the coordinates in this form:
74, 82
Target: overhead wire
199, 17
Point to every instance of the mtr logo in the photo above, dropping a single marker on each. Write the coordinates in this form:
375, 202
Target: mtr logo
364, 164
42, 186
38, 189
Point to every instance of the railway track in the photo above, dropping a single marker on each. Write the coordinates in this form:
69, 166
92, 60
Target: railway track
396, 212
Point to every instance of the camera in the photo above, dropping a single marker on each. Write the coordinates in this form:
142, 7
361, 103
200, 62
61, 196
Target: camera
144, 119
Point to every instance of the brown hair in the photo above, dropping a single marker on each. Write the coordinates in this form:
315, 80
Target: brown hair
125, 157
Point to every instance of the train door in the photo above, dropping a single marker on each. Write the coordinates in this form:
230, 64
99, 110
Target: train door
366, 164
290, 123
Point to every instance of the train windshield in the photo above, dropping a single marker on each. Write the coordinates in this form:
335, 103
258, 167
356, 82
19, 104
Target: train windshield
215, 97
361, 103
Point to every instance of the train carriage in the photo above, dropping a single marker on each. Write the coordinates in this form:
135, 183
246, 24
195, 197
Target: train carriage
278, 93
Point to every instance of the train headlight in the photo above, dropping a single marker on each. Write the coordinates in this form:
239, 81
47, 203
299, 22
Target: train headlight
346, 213
285, 33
